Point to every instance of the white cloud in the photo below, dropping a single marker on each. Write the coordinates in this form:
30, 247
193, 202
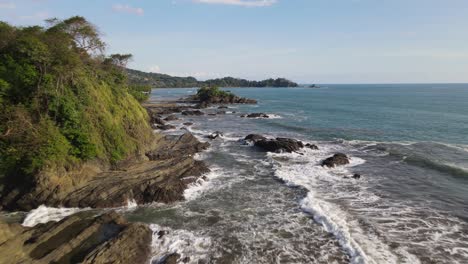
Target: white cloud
155, 69
128, 9
7, 5
248, 3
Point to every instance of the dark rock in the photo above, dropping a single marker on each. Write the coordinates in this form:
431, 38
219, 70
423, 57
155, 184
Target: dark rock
171, 259
256, 115
166, 127
311, 146
188, 123
171, 118
254, 138
337, 160
162, 177
215, 135
193, 113
280, 145
222, 107
211, 114
221, 112
155, 119
356, 176
161, 233
80, 238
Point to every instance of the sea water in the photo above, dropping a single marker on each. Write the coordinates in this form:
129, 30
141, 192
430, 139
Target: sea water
409, 143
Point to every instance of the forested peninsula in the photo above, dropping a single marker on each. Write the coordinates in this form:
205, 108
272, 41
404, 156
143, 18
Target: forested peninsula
158, 80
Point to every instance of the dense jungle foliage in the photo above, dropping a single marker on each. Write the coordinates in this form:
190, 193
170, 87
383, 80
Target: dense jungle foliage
63, 102
158, 80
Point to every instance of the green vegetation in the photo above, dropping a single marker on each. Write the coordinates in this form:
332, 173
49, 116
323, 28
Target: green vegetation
62, 102
158, 80
208, 92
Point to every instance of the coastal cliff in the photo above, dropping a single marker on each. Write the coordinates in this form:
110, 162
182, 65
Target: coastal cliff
72, 130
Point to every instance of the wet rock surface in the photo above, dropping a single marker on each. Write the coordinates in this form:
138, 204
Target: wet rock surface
80, 238
279, 145
254, 138
338, 159
193, 113
256, 115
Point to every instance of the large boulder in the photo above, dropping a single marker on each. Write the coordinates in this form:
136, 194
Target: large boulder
279, 145
80, 238
338, 159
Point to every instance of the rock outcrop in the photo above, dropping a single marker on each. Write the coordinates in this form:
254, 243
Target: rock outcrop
160, 176
192, 113
256, 115
279, 145
254, 138
80, 238
338, 159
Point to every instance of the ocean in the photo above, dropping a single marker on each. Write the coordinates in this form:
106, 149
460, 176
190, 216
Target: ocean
408, 141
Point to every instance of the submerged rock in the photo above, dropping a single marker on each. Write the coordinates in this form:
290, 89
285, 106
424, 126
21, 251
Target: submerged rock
311, 146
193, 113
356, 176
215, 135
221, 112
80, 238
256, 115
254, 138
336, 160
222, 107
280, 145
187, 123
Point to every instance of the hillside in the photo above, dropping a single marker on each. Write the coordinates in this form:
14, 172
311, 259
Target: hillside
158, 80
63, 105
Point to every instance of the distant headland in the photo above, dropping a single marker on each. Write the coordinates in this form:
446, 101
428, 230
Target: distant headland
159, 80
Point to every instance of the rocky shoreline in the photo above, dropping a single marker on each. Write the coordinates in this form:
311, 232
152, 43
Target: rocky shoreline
160, 175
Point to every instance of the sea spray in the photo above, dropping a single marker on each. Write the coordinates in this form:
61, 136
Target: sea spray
44, 214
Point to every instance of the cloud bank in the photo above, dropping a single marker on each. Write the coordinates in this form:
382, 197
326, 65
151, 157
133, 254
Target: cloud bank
128, 9
247, 3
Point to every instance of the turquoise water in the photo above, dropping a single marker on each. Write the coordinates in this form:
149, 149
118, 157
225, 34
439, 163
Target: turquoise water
397, 112
413, 112
408, 142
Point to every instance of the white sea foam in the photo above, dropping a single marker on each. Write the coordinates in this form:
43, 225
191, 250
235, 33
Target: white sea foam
131, 204
44, 214
202, 184
187, 244
304, 170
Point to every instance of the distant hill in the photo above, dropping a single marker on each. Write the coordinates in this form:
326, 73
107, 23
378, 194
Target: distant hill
158, 80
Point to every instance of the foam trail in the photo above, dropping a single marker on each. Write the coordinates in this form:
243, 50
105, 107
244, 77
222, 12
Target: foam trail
44, 214
190, 246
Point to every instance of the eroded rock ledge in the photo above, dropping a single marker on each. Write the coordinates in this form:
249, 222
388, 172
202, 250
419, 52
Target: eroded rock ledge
161, 175
80, 238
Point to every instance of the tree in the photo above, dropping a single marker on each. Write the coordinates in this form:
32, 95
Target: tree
121, 60
84, 34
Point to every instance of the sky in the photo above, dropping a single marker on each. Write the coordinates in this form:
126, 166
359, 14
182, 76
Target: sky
308, 41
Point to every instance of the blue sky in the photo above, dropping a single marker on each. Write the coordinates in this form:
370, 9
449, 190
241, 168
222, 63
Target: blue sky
309, 41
